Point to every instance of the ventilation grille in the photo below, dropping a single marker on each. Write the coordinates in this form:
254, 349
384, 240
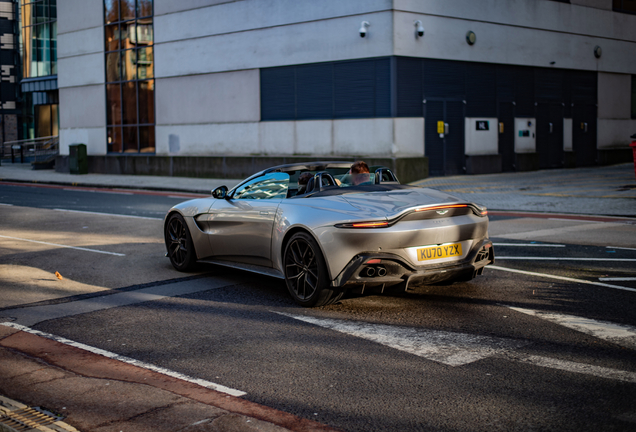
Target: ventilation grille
26, 419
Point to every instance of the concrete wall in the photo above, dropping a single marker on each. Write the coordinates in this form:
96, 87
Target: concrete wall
374, 137
614, 110
210, 98
80, 63
522, 32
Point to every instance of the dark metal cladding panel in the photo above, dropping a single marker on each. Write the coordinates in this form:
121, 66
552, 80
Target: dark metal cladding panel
505, 83
434, 145
524, 91
278, 93
481, 90
548, 85
454, 141
506, 140
409, 87
584, 129
354, 89
444, 79
584, 86
314, 97
383, 87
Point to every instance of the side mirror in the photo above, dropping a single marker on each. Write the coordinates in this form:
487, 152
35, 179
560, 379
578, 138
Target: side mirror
220, 192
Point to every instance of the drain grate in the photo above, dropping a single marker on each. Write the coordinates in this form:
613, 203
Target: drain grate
26, 419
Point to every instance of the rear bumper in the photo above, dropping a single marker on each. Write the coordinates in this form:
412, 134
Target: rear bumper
389, 270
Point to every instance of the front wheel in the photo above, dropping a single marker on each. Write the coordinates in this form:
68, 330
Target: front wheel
179, 244
306, 272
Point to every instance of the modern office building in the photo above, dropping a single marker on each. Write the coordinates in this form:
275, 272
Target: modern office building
9, 72
38, 83
219, 87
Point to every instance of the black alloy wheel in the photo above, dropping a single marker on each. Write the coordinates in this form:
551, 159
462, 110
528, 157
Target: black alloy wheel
306, 272
179, 244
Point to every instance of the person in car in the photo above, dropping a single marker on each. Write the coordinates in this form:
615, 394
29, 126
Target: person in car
360, 173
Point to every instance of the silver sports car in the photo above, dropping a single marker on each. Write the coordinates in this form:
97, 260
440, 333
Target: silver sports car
330, 230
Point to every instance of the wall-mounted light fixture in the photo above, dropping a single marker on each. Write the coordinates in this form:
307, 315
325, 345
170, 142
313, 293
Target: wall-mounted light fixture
419, 29
598, 51
363, 28
471, 37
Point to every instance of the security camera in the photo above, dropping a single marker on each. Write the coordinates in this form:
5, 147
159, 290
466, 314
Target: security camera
419, 28
363, 28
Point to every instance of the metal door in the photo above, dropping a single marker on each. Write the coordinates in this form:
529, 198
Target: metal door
445, 151
550, 135
506, 116
584, 134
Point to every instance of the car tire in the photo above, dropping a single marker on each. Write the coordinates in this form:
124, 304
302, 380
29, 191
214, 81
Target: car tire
179, 244
306, 273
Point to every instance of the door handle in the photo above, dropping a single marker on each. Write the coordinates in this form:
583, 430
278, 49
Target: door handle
551, 127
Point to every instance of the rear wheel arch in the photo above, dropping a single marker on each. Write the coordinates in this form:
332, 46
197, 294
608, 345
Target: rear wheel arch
294, 230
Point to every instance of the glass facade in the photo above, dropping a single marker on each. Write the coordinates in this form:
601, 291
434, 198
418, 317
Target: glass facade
38, 46
39, 35
130, 84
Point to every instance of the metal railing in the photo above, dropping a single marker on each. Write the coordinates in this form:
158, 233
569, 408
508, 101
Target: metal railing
31, 149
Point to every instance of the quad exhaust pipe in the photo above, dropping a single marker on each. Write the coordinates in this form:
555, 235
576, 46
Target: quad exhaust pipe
371, 271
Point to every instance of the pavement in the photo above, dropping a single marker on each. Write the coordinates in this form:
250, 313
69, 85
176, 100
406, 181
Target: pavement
49, 385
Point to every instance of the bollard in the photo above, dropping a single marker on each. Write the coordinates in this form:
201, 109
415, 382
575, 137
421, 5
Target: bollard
633, 146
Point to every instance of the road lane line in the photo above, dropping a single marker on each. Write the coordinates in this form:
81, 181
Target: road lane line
453, 349
616, 247
531, 235
581, 368
609, 279
564, 259
577, 220
619, 334
8, 205
529, 244
131, 361
560, 278
29, 316
107, 214
100, 191
64, 246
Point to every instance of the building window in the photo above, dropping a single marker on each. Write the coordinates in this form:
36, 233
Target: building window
627, 6
39, 38
130, 84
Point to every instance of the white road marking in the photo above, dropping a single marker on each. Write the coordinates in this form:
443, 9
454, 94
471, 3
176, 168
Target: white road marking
574, 220
99, 191
609, 279
107, 214
457, 349
619, 334
560, 278
8, 205
124, 359
29, 316
582, 368
564, 259
531, 235
453, 349
64, 246
622, 248
529, 244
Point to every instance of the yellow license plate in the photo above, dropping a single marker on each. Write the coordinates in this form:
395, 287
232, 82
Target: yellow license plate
437, 252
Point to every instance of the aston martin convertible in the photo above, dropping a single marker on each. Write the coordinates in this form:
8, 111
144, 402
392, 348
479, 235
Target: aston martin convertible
324, 232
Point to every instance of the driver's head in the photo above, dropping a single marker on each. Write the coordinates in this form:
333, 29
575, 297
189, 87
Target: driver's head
359, 172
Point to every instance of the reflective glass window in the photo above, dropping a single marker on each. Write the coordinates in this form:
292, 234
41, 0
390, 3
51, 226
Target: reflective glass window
113, 104
269, 186
111, 11
128, 35
39, 38
114, 139
129, 102
131, 142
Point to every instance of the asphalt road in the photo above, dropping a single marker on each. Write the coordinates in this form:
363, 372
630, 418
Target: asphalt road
544, 341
